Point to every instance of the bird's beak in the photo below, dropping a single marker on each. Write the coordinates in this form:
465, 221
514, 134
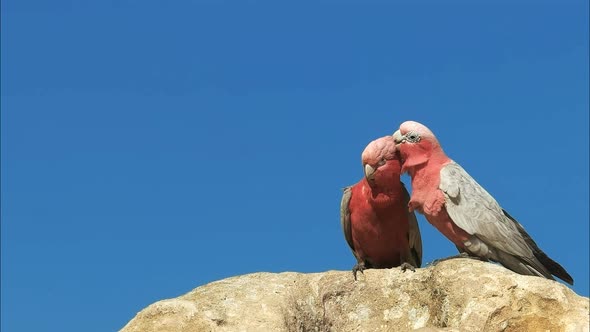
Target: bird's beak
398, 138
369, 171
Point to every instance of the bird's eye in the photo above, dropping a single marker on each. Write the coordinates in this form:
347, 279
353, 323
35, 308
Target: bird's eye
412, 137
381, 162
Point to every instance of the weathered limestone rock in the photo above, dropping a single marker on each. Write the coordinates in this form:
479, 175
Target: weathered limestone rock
455, 295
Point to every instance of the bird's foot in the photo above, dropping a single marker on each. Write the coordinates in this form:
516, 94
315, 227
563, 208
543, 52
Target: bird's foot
407, 266
461, 255
359, 267
412, 206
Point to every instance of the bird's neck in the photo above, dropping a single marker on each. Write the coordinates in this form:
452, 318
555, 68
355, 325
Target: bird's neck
384, 192
427, 176
433, 164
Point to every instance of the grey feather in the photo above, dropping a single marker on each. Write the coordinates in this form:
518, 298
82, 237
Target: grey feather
345, 217
474, 210
552, 266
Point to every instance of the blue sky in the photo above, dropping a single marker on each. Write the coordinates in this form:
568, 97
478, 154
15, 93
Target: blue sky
152, 147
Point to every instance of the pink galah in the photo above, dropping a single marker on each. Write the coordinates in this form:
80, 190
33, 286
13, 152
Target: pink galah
374, 214
463, 211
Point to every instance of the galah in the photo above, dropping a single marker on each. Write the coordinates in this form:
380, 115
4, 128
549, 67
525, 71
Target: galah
377, 225
463, 211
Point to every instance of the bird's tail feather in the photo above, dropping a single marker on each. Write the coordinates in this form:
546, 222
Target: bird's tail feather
522, 266
552, 266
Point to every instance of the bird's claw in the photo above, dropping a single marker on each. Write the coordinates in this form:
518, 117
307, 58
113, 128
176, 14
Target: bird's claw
461, 255
407, 266
359, 267
412, 206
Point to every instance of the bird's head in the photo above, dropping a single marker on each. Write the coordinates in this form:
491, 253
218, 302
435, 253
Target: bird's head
381, 161
416, 144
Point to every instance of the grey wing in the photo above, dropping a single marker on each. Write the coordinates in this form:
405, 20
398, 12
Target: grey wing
414, 237
474, 210
345, 216
552, 266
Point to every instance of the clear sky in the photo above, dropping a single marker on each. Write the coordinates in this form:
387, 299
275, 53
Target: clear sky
150, 147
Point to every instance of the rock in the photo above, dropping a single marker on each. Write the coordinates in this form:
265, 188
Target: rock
454, 295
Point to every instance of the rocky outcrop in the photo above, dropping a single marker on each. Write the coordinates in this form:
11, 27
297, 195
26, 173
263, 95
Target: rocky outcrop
455, 295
